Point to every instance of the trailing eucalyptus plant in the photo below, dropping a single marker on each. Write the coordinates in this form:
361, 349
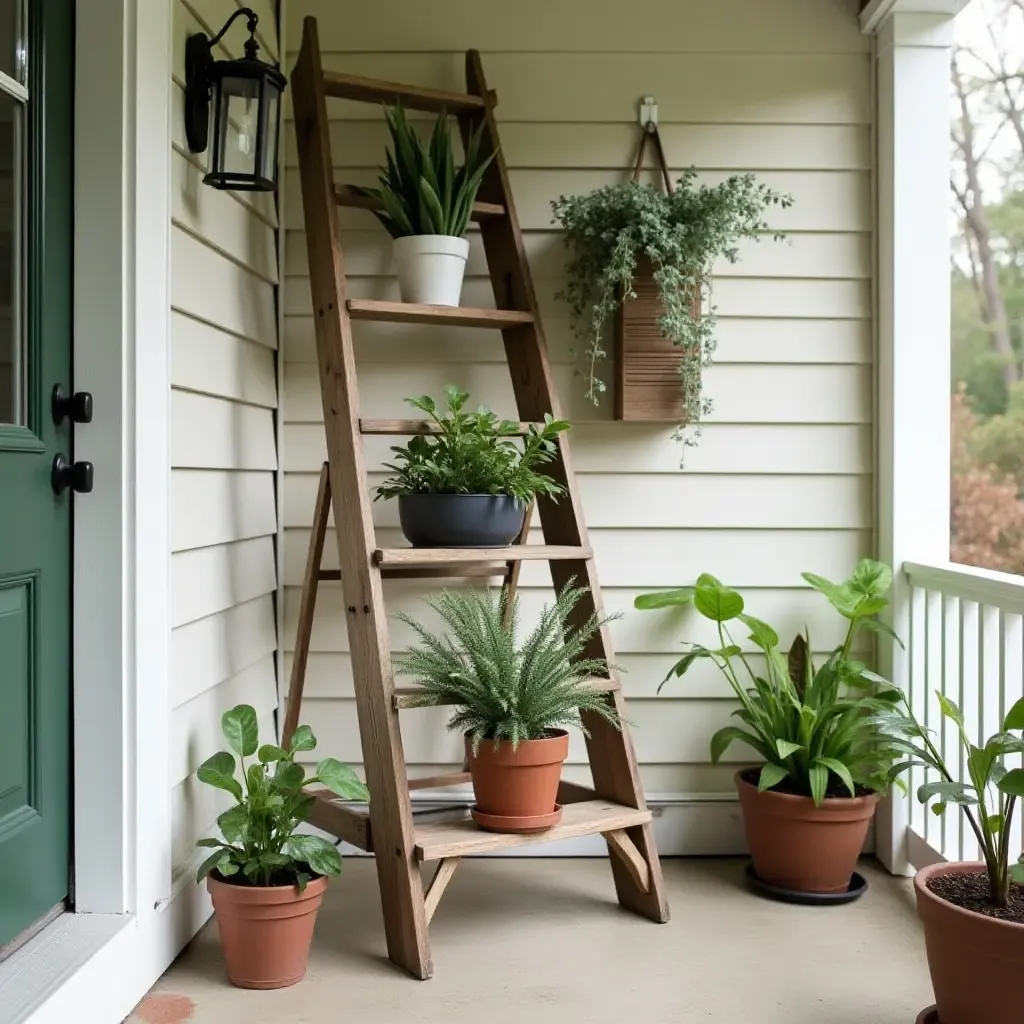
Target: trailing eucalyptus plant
610, 230
821, 730
421, 191
260, 845
504, 689
473, 453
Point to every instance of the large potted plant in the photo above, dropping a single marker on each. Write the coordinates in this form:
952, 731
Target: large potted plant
425, 205
973, 913
513, 699
821, 732
619, 233
468, 483
265, 878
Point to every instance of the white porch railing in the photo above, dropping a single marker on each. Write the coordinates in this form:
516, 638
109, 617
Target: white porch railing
967, 641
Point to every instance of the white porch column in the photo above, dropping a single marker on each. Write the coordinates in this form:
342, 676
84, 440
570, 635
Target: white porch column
913, 316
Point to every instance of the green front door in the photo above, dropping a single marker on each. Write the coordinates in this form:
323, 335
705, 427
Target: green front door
36, 107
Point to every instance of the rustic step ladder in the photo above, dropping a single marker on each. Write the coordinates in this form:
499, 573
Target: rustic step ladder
615, 807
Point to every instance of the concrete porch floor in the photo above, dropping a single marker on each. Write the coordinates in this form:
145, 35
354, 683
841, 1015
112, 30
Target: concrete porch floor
544, 941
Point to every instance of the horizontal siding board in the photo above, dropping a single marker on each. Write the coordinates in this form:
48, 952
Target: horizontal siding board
727, 88
810, 255
661, 558
739, 340
218, 506
195, 725
822, 200
241, 302
212, 362
660, 501
210, 580
741, 393
611, 146
210, 433
209, 650
731, 25
634, 448
219, 220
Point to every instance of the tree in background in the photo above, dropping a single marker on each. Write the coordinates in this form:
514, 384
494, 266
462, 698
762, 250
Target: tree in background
987, 181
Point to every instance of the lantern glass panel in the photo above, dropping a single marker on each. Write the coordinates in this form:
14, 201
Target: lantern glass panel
237, 125
268, 151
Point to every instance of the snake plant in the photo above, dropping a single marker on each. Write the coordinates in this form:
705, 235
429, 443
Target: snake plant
421, 191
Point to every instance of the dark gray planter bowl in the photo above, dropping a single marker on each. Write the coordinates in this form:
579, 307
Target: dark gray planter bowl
460, 520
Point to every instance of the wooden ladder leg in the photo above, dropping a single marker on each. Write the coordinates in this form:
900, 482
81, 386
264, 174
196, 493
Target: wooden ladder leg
307, 606
391, 824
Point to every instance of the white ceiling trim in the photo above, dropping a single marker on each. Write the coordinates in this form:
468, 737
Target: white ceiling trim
877, 12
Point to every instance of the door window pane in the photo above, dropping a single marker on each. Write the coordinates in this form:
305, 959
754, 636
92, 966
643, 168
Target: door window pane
12, 39
12, 362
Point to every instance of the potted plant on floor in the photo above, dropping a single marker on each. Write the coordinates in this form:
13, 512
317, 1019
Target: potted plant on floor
468, 484
513, 699
619, 234
267, 880
425, 205
822, 731
973, 913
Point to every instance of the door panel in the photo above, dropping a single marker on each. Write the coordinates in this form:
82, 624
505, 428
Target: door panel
36, 156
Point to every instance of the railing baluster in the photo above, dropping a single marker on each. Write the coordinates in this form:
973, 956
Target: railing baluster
1013, 690
933, 681
949, 734
970, 692
918, 698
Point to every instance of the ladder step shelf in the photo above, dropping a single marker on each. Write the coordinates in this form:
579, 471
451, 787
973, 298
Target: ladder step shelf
412, 97
402, 427
441, 316
427, 557
405, 697
346, 195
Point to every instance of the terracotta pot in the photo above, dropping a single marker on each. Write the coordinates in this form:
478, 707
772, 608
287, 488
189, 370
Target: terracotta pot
518, 785
796, 845
976, 962
266, 931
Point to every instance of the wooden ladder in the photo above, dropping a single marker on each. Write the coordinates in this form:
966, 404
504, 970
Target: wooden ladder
615, 806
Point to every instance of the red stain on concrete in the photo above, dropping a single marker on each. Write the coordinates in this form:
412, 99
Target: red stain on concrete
164, 1009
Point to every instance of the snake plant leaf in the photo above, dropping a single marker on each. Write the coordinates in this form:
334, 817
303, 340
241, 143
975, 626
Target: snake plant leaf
435, 213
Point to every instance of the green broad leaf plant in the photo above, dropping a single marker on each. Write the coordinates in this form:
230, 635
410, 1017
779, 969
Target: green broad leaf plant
822, 730
473, 452
609, 231
421, 190
504, 688
988, 799
259, 844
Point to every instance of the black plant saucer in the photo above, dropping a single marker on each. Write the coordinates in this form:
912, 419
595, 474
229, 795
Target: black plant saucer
858, 886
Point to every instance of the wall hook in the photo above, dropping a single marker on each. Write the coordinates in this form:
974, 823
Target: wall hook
649, 114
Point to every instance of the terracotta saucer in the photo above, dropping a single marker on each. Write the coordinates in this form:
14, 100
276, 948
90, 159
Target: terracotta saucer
929, 1016
517, 823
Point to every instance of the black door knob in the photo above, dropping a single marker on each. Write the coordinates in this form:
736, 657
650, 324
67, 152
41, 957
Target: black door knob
64, 474
76, 407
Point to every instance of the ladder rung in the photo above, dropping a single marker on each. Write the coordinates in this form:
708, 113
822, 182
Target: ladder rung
440, 839
332, 816
345, 195
419, 427
446, 316
374, 90
440, 781
405, 696
440, 572
431, 557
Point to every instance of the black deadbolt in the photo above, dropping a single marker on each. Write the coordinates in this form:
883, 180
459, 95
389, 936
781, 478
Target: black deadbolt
64, 474
76, 407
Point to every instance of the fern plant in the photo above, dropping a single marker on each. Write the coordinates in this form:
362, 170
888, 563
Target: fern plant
504, 690
421, 191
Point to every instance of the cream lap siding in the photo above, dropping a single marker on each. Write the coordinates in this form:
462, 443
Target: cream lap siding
781, 481
224, 277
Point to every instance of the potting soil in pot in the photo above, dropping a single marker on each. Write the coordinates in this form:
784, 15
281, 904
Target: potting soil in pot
971, 892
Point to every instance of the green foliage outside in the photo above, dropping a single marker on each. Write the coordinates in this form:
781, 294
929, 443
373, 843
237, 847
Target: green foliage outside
259, 844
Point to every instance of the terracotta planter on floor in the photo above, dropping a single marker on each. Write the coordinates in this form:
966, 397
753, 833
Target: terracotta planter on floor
516, 789
798, 846
266, 931
976, 962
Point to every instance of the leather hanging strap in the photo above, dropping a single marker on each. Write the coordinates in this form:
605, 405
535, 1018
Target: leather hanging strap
650, 133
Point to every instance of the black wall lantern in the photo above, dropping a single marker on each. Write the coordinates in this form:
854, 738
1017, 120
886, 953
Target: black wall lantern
246, 99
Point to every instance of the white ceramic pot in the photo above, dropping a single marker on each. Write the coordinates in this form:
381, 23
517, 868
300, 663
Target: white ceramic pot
431, 268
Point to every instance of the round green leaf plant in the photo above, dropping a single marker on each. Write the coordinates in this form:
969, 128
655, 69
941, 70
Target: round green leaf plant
473, 453
830, 729
610, 230
260, 845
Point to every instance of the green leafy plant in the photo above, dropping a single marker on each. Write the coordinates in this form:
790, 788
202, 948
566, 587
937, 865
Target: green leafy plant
473, 453
816, 727
610, 230
260, 845
504, 690
421, 191
988, 800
